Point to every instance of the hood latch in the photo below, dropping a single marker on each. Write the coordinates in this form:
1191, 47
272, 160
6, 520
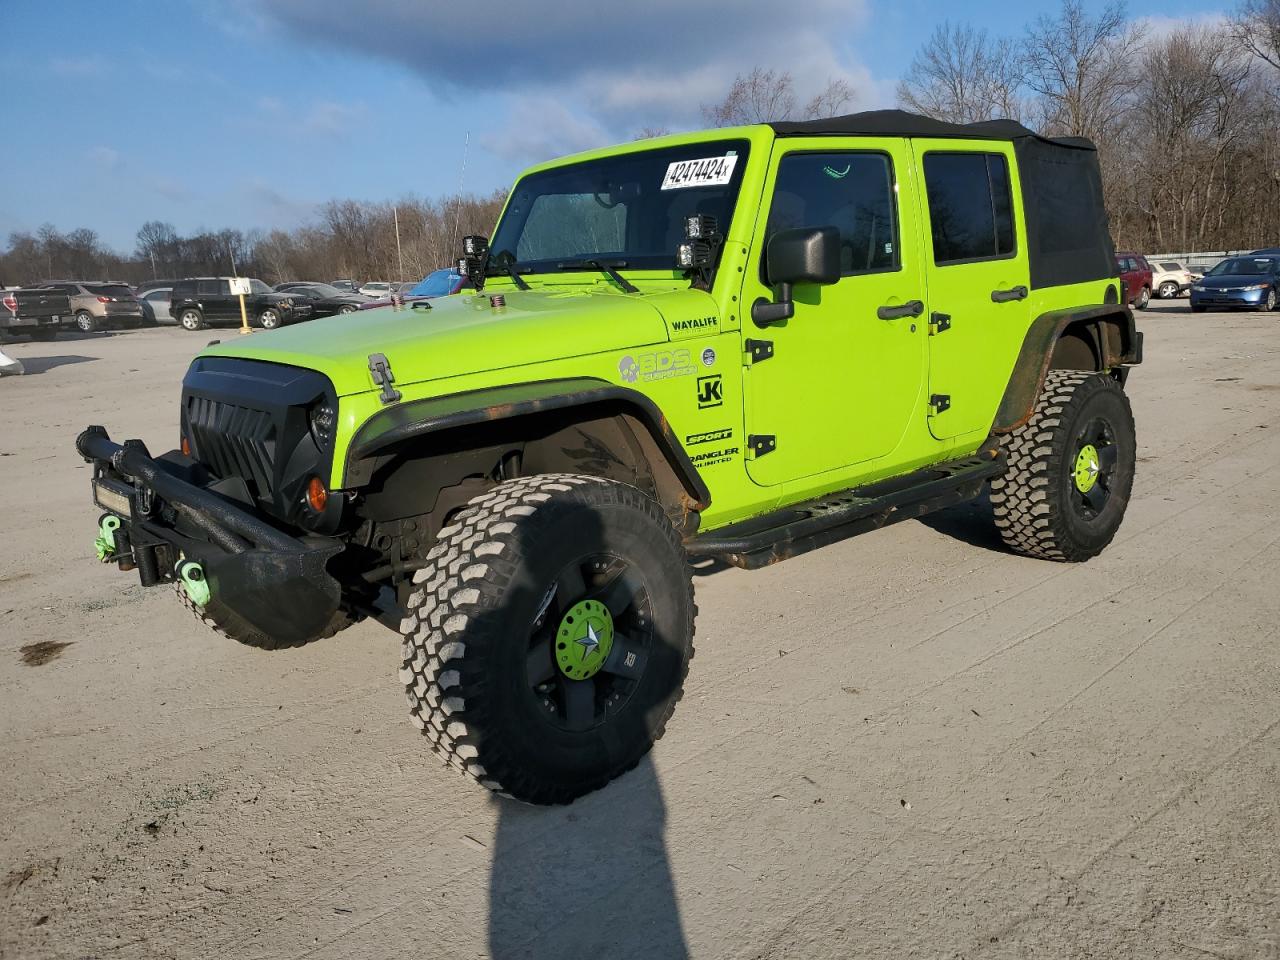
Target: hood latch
383, 377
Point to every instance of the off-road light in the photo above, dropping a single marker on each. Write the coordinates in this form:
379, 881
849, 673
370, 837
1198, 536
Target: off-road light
693, 255
462, 266
701, 227
317, 495
475, 246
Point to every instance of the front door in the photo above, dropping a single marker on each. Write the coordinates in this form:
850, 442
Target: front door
844, 376
979, 281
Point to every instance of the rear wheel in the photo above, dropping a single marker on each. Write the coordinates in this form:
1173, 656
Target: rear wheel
1070, 469
548, 638
1144, 298
192, 320
1168, 290
86, 322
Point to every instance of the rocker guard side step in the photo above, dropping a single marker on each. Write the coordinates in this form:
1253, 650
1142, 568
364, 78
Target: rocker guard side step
761, 541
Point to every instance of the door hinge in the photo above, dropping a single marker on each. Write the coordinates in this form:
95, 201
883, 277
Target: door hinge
761, 443
760, 350
939, 323
383, 377
939, 403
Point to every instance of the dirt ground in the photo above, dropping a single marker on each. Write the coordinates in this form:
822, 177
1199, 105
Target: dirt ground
910, 744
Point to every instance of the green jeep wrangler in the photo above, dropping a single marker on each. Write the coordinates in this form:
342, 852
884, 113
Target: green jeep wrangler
727, 346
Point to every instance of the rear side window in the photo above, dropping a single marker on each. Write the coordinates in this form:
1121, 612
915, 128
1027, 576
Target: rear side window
157, 295
852, 192
208, 288
184, 288
970, 206
1171, 267
117, 290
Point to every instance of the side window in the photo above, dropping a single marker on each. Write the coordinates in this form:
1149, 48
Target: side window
208, 288
852, 192
970, 206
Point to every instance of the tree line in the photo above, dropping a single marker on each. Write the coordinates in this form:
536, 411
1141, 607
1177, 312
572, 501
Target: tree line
1187, 123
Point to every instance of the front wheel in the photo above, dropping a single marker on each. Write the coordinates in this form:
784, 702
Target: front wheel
86, 322
192, 320
1168, 290
1070, 469
269, 319
1269, 299
348, 309
548, 638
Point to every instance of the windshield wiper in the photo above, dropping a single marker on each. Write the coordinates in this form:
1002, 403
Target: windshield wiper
510, 270
606, 267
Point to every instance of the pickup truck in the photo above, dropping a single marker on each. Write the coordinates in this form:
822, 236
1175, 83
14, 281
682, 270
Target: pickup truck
37, 313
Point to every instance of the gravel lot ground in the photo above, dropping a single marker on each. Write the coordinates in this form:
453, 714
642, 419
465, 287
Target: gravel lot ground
910, 744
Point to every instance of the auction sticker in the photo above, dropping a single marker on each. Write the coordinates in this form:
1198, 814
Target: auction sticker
707, 172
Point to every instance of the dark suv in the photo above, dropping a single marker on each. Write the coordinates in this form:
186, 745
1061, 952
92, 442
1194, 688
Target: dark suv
208, 301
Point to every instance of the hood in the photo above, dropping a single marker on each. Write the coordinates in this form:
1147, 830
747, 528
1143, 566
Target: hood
460, 334
1234, 280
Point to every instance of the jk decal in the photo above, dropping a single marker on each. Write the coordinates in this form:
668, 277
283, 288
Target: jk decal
709, 392
710, 436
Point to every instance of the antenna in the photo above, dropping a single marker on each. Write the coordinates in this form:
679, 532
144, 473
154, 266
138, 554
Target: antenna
462, 180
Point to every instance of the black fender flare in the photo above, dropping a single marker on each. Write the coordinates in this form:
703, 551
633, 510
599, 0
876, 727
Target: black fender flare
1110, 329
415, 419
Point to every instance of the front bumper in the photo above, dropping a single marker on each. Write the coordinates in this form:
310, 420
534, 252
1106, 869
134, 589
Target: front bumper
168, 515
1227, 298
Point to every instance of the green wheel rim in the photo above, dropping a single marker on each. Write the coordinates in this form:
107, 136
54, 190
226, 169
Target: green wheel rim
584, 639
1087, 468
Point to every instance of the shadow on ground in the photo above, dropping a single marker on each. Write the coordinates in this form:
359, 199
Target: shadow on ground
588, 880
970, 523
35, 365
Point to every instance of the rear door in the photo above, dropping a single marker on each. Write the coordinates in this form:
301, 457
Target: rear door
216, 300
843, 378
978, 278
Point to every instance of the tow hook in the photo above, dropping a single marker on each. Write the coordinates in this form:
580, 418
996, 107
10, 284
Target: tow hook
105, 544
191, 574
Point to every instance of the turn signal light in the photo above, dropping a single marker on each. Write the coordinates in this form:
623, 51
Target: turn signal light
185, 444
317, 495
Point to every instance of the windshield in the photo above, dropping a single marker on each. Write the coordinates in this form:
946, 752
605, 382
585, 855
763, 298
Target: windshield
1245, 266
439, 283
323, 290
257, 286
623, 209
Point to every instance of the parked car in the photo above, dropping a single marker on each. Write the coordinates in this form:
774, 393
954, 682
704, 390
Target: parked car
438, 283
208, 301
155, 305
1170, 279
1252, 281
377, 289
1135, 273
101, 304
37, 313
325, 300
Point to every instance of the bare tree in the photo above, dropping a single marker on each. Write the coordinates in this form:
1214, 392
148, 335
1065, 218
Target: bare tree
1257, 23
1081, 68
764, 95
963, 75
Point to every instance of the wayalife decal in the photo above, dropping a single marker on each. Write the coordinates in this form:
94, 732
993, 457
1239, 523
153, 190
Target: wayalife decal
707, 172
710, 436
698, 323
660, 365
708, 357
712, 457
835, 174
709, 392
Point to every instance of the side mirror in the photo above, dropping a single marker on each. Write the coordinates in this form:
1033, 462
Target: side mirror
802, 255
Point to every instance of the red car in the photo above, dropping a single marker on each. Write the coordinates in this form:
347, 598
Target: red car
1135, 274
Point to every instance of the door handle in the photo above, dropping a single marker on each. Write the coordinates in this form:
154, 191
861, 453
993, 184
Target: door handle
912, 308
1013, 293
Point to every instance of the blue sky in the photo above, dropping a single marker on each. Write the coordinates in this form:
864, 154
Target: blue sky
249, 113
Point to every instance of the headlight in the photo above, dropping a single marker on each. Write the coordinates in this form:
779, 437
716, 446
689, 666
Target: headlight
1255, 286
1198, 288
324, 421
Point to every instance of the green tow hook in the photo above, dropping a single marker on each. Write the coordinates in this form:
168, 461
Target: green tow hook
105, 544
194, 583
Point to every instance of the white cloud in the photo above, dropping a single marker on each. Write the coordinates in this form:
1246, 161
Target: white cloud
1157, 26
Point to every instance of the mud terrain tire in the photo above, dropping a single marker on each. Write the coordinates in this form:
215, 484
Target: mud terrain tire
224, 622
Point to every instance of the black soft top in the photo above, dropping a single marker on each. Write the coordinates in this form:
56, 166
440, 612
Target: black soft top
1068, 237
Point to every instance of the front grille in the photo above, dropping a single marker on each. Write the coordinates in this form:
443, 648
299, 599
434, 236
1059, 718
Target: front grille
234, 441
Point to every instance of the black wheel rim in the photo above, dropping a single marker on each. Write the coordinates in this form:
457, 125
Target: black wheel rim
1092, 468
580, 705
